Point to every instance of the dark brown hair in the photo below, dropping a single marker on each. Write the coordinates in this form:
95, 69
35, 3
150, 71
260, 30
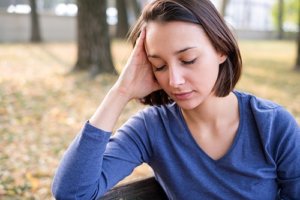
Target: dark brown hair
204, 13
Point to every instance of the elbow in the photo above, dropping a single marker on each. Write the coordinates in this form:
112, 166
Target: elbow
60, 191
58, 196
69, 188
64, 192
61, 194
57, 192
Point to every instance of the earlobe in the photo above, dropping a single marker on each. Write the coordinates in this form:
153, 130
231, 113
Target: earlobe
222, 58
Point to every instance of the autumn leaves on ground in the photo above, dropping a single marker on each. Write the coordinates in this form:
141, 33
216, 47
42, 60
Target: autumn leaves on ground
42, 106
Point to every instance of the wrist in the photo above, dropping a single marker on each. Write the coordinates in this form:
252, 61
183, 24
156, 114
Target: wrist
109, 110
121, 92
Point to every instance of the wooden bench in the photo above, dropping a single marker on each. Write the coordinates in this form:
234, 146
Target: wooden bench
146, 189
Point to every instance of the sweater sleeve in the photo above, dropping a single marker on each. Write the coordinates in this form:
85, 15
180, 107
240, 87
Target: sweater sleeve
96, 161
288, 155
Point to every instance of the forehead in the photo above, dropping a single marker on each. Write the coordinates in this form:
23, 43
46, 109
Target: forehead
174, 35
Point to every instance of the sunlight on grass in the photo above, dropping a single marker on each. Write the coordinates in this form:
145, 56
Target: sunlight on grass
268, 72
42, 106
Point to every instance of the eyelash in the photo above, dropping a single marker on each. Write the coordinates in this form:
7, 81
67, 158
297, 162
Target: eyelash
189, 62
183, 62
157, 69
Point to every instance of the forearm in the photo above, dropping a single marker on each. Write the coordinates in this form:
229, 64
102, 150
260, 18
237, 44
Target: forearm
79, 171
136, 81
109, 110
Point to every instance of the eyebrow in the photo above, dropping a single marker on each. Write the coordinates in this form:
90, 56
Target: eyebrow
176, 52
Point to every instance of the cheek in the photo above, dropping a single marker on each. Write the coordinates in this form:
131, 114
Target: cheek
211, 66
205, 74
161, 78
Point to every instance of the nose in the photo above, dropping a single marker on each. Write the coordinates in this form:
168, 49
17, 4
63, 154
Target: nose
176, 77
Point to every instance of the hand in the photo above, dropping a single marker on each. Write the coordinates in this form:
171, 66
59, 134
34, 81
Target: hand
137, 78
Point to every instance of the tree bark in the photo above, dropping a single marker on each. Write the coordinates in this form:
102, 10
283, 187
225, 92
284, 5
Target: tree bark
280, 19
123, 25
93, 42
35, 25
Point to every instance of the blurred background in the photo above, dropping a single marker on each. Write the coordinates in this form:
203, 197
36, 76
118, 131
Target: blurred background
58, 58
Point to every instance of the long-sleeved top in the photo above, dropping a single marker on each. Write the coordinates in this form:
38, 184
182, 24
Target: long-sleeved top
262, 163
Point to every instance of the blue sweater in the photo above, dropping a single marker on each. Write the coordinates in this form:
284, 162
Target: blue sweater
262, 163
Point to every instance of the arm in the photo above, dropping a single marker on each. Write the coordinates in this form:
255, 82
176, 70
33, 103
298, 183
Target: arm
84, 170
136, 81
288, 156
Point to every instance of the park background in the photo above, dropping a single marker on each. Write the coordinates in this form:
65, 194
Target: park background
44, 101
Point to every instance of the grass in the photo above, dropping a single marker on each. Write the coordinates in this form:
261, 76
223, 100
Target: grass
269, 72
42, 107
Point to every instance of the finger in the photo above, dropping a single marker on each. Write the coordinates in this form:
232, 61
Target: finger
141, 38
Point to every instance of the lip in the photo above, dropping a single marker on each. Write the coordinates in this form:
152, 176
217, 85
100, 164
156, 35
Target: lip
183, 95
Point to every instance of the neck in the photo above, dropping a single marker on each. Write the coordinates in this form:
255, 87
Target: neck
213, 111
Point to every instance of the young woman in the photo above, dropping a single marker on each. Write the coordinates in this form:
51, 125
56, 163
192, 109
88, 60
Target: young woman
202, 138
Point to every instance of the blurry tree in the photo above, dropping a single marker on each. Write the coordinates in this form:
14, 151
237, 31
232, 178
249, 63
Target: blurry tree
291, 8
134, 6
122, 25
223, 7
290, 18
94, 52
35, 25
280, 19
285, 14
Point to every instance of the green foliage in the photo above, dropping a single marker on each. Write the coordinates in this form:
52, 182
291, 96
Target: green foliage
290, 12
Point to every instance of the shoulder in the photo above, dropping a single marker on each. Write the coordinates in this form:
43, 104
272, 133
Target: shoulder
162, 112
153, 118
276, 127
256, 102
270, 119
263, 109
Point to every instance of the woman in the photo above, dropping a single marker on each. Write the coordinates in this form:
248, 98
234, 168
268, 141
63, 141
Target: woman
202, 138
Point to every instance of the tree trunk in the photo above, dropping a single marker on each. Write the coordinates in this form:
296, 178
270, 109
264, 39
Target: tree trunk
136, 7
93, 40
223, 7
35, 26
122, 26
280, 19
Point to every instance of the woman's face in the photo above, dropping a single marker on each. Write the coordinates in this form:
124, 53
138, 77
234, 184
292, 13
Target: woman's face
184, 62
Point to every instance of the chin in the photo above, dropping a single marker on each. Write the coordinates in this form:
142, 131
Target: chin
188, 105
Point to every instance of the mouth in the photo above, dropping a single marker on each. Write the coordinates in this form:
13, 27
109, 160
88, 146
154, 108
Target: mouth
183, 95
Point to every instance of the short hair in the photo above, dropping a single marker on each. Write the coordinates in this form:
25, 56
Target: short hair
203, 13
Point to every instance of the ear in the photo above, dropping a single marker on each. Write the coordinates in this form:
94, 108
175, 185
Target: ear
222, 58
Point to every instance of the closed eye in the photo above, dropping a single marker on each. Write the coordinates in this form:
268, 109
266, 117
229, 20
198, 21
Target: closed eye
161, 68
189, 62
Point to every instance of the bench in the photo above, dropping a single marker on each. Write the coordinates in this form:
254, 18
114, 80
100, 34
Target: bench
145, 189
